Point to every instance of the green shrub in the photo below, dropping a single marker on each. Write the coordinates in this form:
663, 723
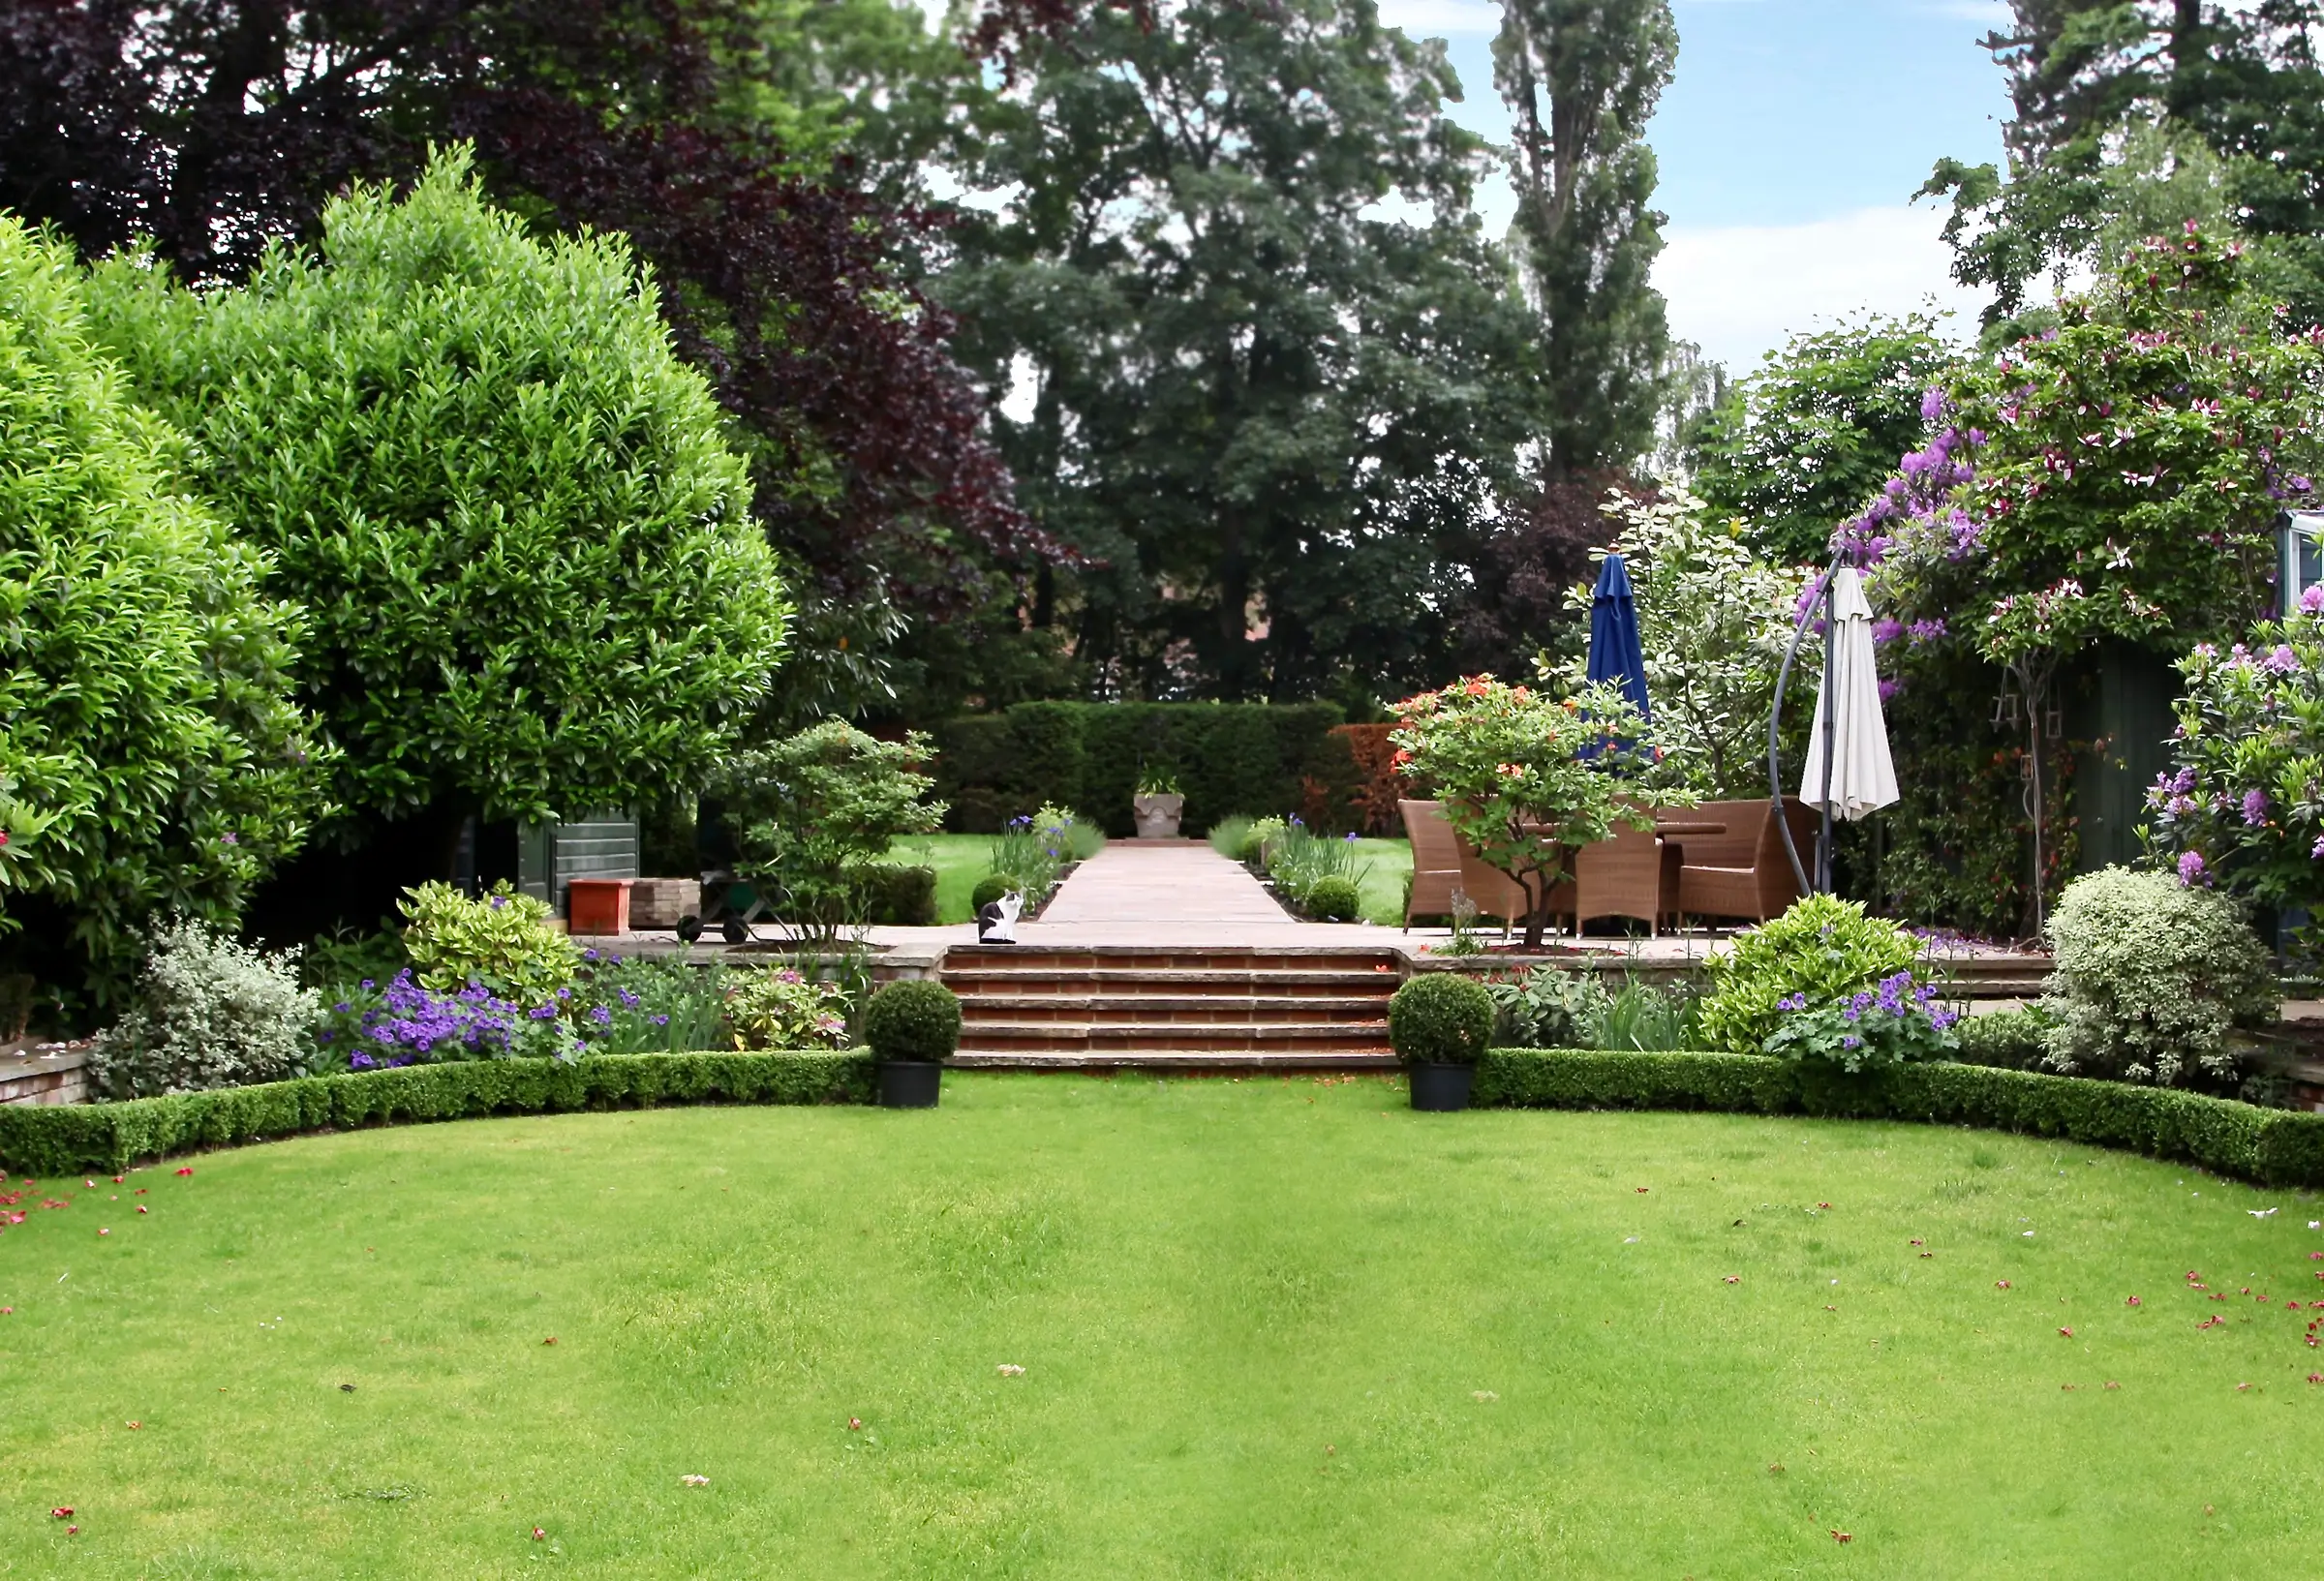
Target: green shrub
151, 759
808, 808
1333, 900
1641, 1017
1260, 834
989, 889
888, 894
524, 545
2010, 1040
207, 1012
1225, 755
68, 1137
1440, 1019
1227, 835
1298, 860
1820, 952
500, 939
2151, 977
2275, 1147
1548, 1007
775, 1007
1033, 851
1047, 758
913, 1018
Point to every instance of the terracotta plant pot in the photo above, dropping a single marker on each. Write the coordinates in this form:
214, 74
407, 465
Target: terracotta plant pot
1158, 816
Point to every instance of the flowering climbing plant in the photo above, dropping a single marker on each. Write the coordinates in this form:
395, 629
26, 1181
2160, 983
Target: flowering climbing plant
2242, 806
1523, 775
2118, 475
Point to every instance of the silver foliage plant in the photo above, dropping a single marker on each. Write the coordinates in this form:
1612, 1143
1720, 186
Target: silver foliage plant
2153, 978
208, 1011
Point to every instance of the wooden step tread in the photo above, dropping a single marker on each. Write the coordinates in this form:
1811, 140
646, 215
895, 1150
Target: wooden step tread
978, 979
980, 1005
1175, 1059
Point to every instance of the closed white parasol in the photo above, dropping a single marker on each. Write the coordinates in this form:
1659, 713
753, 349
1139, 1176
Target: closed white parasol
1864, 777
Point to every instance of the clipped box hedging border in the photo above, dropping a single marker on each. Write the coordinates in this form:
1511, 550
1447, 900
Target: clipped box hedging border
2271, 1147
57, 1140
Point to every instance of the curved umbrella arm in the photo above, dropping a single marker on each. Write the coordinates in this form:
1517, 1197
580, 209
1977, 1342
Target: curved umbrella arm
1774, 722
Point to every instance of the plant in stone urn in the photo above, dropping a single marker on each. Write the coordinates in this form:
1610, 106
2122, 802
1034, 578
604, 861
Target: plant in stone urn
1158, 805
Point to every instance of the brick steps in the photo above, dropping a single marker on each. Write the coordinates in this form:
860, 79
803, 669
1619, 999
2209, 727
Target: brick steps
1173, 1008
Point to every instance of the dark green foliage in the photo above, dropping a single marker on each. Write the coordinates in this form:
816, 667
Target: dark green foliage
1816, 430
1333, 901
805, 810
2273, 1147
1228, 757
1582, 81
1283, 378
913, 1018
2130, 119
512, 513
1047, 753
2012, 1040
888, 895
989, 889
60, 1140
151, 760
1441, 1018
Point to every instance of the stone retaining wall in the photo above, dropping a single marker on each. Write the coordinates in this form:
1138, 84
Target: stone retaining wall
44, 1073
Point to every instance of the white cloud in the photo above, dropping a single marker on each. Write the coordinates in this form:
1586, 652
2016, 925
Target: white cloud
1739, 292
1441, 18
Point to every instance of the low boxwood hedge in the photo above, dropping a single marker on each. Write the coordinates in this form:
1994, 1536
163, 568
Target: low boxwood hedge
58, 1140
2273, 1147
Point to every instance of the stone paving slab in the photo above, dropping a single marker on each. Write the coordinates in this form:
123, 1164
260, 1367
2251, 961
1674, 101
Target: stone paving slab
1142, 883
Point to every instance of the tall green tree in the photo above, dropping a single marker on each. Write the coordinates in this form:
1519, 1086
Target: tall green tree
2132, 117
151, 757
524, 545
1803, 441
1266, 367
1581, 78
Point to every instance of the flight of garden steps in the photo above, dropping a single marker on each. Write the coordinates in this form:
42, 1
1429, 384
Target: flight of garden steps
1125, 1007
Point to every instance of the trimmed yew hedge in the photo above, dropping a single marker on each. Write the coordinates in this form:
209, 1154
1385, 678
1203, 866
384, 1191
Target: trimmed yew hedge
2273, 1147
57, 1140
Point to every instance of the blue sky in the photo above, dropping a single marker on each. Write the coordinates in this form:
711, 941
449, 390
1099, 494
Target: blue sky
1789, 143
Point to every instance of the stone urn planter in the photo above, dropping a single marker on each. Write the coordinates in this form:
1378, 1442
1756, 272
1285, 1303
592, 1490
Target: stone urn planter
1158, 814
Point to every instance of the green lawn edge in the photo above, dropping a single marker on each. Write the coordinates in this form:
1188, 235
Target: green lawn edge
2269, 1147
2274, 1148
59, 1138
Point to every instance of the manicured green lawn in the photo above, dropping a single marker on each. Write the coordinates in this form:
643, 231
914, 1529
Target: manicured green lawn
1268, 1329
1384, 884
960, 861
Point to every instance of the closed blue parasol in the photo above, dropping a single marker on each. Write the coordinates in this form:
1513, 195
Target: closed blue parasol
1616, 656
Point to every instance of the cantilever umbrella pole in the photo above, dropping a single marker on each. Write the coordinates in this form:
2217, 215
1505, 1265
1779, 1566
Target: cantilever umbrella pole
1775, 724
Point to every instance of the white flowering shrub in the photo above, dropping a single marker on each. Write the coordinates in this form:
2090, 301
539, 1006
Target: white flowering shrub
208, 1011
2151, 977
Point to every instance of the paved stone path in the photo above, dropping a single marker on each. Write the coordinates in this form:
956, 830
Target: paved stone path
1133, 884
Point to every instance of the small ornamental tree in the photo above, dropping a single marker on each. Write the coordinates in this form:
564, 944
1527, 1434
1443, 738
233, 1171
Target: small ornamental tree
1523, 775
151, 760
2244, 805
2118, 479
1714, 619
805, 810
511, 512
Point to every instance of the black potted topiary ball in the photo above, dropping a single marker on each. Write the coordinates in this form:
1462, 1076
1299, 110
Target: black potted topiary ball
912, 1026
1439, 1025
